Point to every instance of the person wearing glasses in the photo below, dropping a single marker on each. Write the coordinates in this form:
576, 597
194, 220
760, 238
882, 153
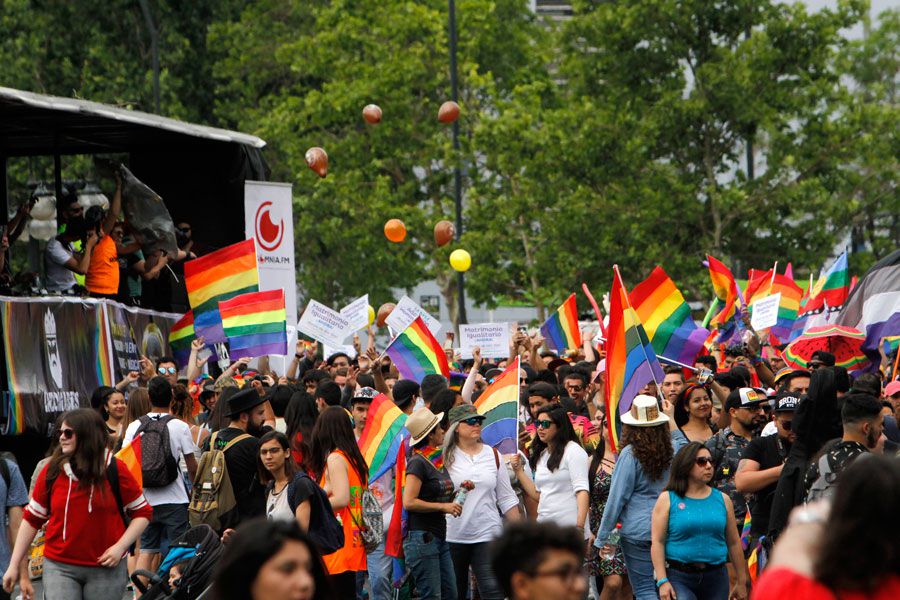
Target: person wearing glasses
86, 536
577, 388
165, 367
694, 533
534, 561
467, 458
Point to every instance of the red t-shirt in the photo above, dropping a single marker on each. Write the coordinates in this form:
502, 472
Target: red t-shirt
779, 583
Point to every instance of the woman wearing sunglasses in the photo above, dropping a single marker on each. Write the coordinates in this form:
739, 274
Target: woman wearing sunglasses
466, 458
86, 536
694, 533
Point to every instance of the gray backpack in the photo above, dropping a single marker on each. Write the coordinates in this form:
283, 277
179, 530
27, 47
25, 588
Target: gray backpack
826, 484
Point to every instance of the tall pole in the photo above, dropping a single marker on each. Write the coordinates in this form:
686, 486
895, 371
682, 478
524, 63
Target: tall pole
457, 172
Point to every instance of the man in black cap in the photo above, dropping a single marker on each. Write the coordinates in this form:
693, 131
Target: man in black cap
247, 413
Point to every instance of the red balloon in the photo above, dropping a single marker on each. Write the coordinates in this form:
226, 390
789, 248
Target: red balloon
317, 161
448, 112
395, 230
443, 232
384, 311
372, 114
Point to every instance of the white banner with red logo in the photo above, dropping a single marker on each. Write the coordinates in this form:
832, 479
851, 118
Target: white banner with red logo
269, 219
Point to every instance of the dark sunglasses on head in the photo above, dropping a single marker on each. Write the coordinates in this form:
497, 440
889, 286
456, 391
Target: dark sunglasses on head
66, 433
164, 370
702, 461
472, 421
544, 423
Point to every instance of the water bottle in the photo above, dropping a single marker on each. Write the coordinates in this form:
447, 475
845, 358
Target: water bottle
464, 487
608, 551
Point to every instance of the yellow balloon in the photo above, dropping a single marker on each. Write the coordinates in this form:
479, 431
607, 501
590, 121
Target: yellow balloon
460, 260
371, 315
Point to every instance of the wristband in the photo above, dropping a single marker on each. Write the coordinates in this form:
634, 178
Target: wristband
298, 356
662, 581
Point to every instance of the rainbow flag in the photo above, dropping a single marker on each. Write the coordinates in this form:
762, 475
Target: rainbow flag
130, 454
255, 323
832, 288
631, 362
767, 283
15, 409
180, 337
561, 329
727, 291
890, 344
745, 531
217, 277
499, 403
382, 436
667, 318
417, 354
753, 565
393, 543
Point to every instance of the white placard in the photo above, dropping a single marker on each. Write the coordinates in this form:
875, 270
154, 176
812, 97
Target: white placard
492, 338
269, 219
348, 349
406, 312
765, 312
323, 324
357, 312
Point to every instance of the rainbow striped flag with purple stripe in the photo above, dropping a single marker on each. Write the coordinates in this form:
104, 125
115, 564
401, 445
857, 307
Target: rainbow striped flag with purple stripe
180, 337
255, 323
417, 354
561, 329
382, 436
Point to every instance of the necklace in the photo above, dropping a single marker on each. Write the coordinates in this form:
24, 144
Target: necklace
275, 487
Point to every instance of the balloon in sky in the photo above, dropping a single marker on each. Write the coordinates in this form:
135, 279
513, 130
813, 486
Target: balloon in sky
384, 311
460, 260
395, 230
448, 112
443, 232
317, 161
372, 114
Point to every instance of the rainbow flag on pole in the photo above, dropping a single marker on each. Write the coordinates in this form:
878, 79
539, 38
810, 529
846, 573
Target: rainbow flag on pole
417, 354
499, 403
130, 454
745, 530
728, 293
667, 318
767, 283
832, 288
180, 337
217, 277
382, 436
561, 329
631, 362
255, 323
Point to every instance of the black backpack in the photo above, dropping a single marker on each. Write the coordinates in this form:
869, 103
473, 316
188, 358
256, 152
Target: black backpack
324, 528
158, 467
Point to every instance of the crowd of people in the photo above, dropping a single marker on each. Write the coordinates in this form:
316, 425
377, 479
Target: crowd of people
737, 459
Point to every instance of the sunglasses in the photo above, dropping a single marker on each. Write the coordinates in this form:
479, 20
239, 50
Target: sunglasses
164, 370
472, 421
66, 433
544, 423
702, 461
575, 388
786, 425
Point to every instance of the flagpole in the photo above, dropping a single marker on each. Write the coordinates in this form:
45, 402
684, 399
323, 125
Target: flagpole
643, 349
670, 361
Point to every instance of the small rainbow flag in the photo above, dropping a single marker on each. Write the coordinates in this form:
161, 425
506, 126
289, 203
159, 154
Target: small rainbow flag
631, 362
393, 544
417, 354
667, 318
727, 291
255, 323
180, 337
767, 283
745, 531
832, 288
382, 436
130, 454
891, 344
561, 329
499, 403
216, 277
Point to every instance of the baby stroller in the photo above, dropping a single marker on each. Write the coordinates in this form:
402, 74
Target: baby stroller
202, 548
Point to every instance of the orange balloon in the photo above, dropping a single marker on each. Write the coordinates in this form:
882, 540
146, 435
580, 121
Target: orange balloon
317, 161
443, 232
384, 311
395, 230
448, 112
372, 114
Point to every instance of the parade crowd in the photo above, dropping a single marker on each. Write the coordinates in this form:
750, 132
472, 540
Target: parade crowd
735, 460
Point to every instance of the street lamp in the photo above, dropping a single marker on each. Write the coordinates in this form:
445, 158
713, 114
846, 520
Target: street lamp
457, 172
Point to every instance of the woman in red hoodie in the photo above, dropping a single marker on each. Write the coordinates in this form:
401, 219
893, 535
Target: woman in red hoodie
86, 536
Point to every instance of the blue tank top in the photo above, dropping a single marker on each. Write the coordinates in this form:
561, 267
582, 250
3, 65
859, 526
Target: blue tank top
697, 529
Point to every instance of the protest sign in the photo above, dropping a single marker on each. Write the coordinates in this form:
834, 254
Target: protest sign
764, 312
357, 313
492, 338
323, 324
406, 312
329, 350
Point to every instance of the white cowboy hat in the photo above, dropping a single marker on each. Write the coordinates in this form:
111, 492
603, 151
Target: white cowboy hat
644, 413
421, 423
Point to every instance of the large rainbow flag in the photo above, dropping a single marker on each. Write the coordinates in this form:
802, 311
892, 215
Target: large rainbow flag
726, 289
255, 323
667, 318
832, 288
767, 283
499, 403
382, 436
417, 354
631, 362
216, 277
561, 329
180, 337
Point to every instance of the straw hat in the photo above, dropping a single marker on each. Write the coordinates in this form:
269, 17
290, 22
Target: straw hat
421, 423
644, 413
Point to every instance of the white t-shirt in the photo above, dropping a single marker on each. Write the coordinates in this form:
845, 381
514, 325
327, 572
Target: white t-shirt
182, 444
383, 489
480, 520
278, 507
769, 429
558, 488
57, 254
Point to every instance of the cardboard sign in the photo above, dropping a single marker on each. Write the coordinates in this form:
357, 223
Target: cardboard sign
406, 312
357, 313
323, 324
764, 312
492, 338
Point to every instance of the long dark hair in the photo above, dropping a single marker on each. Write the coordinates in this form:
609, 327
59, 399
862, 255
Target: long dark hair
682, 413
254, 543
682, 463
860, 544
99, 398
597, 457
289, 467
564, 434
138, 405
332, 432
300, 417
217, 418
818, 416
92, 440
651, 446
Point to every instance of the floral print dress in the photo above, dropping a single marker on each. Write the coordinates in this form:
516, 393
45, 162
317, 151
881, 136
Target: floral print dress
599, 495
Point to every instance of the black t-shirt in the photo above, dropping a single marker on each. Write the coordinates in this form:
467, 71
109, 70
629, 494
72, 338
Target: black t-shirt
769, 451
436, 487
241, 460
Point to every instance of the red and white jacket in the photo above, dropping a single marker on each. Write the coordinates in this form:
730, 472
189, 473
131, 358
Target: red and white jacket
84, 520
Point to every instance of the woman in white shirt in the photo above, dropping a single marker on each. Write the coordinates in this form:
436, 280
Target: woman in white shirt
467, 459
560, 468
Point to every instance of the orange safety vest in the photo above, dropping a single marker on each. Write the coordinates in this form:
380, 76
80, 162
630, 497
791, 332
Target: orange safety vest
103, 271
352, 557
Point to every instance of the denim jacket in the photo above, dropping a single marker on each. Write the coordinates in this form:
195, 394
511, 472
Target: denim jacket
632, 496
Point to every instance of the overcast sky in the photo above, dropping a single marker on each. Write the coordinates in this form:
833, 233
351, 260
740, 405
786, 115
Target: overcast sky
878, 6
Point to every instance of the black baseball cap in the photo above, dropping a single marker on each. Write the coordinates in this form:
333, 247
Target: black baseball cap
786, 402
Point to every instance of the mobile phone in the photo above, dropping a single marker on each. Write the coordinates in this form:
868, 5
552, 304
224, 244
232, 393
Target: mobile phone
204, 354
523, 329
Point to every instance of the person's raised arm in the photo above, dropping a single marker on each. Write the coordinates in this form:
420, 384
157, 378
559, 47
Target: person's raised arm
115, 207
659, 528
537, 361
193, 368
80, 263
469, 386
380, 384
